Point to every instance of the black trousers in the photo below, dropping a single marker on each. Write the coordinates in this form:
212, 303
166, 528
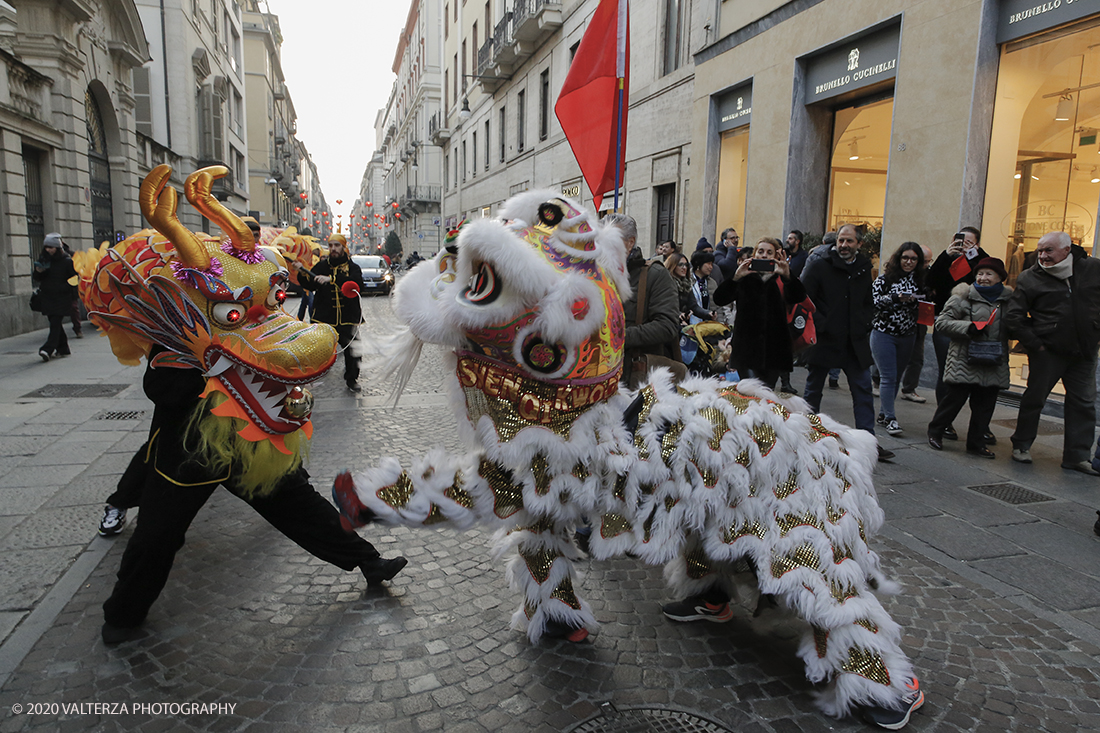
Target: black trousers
911, 378
351, 361
56, 342
167, 510
983, 400
940, 343
1078, 375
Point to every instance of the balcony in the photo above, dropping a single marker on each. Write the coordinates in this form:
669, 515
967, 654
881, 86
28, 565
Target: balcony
438, 133
486, 77
504, 56
420, 198
534, 20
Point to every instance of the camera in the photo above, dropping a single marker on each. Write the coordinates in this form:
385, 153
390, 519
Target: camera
762, 265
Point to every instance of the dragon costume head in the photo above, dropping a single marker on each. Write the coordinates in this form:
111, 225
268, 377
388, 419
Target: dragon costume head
215, 304
530, 302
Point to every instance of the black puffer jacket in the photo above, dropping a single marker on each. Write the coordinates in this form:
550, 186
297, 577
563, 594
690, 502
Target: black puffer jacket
659, 331
52, 275
841, 292
1061, 315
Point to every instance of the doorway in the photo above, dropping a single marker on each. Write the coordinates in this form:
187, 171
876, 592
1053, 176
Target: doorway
99, 171
861, 156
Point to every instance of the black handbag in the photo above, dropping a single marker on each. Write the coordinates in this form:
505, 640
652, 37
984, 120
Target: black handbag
36, 301
985, 353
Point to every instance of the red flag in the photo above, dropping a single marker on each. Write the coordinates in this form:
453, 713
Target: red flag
590, 108
960, 268
926, 313
980, 325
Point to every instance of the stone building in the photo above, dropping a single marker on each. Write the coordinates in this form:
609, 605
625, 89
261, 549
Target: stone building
190, 100
68, 150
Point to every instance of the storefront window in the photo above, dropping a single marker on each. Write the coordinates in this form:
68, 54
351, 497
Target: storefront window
1044, 167
861, 154
733, 169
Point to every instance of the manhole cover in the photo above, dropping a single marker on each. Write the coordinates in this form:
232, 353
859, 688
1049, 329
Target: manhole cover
648, 720
77, 390
121, 415
1011, 493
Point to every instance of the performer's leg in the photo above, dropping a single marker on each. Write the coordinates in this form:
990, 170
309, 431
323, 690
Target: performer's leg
127, 493
167, 510
299, 512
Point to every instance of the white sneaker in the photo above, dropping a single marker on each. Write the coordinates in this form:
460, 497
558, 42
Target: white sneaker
913, 397
893, 428
114, 519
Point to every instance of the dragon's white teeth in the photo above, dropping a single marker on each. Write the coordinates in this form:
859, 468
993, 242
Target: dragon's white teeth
220, 366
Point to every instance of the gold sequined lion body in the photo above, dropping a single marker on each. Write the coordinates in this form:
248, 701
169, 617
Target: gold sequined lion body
706, 478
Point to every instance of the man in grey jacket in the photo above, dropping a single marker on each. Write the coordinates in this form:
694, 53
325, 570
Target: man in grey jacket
1055, 314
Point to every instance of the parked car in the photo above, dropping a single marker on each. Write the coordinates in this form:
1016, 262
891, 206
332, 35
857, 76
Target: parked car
377, 276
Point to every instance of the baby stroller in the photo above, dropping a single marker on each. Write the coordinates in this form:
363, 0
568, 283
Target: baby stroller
705, 347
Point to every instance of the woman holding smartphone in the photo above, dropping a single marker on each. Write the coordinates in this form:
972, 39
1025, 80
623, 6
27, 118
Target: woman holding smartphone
763, 285
894, 325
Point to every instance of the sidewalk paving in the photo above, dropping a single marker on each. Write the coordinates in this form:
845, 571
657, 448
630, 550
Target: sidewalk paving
1001, 603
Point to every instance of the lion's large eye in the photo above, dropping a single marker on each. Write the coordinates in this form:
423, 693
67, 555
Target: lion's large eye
228, 315
276, 296
484, 286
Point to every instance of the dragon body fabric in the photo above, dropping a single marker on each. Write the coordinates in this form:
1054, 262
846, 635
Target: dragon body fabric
706, 478
215, 304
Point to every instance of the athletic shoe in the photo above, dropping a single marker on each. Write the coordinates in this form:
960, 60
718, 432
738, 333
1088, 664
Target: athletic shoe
114, 519
696, 608
885, 454
913, 397
1021, 456
376, 571
893, 428
874, 391
45, 356
78, 334
881, 420
891, 719
354, 387
834, 384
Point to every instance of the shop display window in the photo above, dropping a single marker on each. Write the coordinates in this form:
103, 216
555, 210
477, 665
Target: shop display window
1044, 167
861, 154
733, 170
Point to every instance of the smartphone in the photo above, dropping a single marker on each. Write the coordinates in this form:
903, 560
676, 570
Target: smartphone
762, 265
959, 237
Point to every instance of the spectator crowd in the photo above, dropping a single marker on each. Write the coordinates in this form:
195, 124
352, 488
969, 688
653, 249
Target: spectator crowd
740, 312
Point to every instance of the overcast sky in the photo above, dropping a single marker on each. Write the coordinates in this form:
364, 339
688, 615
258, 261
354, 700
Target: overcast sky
337, 60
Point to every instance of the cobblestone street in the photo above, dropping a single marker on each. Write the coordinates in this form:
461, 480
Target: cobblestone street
1000, 607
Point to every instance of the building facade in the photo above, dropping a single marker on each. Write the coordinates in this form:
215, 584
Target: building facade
68, 149
910, 118
190, 100
504, 63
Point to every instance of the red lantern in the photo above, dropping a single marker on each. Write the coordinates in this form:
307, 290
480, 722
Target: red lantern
369, 204
297, 209
394, 204
303, 195
397, 214
314, 212
339, 201
324, 213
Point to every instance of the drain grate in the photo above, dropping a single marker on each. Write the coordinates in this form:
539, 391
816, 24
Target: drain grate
1011, 493
77, 390
121, 415
647, 720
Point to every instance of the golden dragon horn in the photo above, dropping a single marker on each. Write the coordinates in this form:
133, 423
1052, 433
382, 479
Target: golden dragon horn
197, 190
158, 204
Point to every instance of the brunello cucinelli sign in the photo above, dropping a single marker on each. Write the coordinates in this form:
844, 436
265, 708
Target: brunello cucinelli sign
735, 108
853, 64
1018, 18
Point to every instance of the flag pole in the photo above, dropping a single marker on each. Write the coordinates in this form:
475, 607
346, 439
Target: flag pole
618, 140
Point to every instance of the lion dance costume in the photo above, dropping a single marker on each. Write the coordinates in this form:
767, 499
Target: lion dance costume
703, 477
227, 370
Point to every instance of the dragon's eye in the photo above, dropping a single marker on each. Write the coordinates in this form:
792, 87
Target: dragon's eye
484, 286
228, 315
276, 297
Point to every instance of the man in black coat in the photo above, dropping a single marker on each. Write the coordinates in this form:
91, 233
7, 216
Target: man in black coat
336, 304
52, 272
839, 284
1055, 314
